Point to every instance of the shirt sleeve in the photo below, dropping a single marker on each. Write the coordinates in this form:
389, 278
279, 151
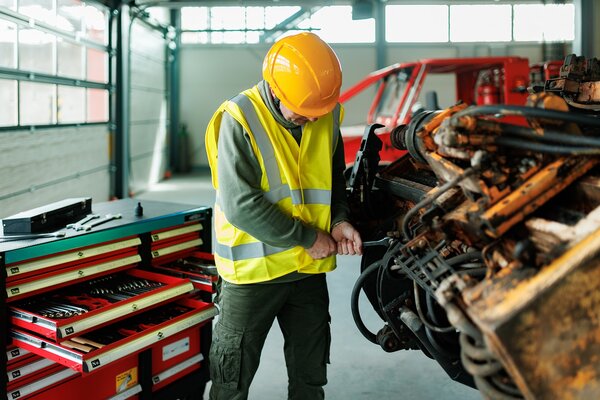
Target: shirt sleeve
339, 204
241, 197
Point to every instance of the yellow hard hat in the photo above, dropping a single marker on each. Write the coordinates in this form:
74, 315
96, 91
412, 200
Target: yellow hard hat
304, 73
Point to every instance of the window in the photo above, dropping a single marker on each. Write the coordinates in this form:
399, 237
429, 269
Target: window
267, 24
8, 44
8, 99
480, 23
538, 22
37, 103
65, 59
345, 29
71, 104
422, 23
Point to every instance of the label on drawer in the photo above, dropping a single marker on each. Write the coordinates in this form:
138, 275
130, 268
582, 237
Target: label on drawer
174, 349
127, 379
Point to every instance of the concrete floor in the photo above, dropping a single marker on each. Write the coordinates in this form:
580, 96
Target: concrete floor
359, 370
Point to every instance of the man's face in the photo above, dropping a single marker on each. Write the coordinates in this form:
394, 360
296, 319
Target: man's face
291, 116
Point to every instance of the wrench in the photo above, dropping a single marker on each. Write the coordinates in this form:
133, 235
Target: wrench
108, 217
386, 241
83, 221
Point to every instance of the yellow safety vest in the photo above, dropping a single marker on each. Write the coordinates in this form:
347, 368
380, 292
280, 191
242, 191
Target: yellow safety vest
297, 178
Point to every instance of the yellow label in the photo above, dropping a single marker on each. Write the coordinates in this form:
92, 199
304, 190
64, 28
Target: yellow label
127, 379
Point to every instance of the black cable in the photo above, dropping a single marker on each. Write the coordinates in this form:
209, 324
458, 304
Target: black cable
428, 324
528, 112
462, 258
370, 336
549, 136
545, 148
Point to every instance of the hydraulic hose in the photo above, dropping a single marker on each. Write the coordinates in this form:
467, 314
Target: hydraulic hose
528, 112
370, 336
545, 148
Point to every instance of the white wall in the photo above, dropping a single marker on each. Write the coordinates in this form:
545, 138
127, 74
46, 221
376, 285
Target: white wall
212, 74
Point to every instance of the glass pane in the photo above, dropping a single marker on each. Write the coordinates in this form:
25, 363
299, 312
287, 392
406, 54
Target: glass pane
538, 22
97, 105
234, 37
227, 18
97, 66
8, 99
8, 44
255, 17
70, 59
194, 18
275, 15
36, 51
10, 4
41, 10
71, 104
480, 23
416, 23
37, 103
345, 30
252, 37
96, 24
69, 15
194, 37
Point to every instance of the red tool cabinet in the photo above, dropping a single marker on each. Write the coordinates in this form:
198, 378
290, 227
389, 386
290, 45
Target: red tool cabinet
122, 311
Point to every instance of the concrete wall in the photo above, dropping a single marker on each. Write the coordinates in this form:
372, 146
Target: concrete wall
212, 74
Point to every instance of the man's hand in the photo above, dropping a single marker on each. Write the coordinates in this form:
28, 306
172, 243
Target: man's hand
323, 247
347, 238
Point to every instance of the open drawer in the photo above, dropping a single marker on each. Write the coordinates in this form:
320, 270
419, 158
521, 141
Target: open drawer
95, 349
197, 266
89, 305
73, 274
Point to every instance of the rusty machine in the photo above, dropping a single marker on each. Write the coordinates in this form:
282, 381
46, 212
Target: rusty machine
482, 242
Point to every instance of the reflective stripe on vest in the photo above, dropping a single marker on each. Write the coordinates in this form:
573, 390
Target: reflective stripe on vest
247, 251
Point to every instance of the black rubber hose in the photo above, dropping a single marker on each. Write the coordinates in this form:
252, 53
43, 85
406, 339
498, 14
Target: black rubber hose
549, 136
528, 112
370, 336
545, 148
462, 258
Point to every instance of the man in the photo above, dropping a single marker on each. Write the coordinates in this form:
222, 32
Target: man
277, 161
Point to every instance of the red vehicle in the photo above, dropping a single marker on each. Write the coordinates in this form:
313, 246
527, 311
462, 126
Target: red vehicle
483, 80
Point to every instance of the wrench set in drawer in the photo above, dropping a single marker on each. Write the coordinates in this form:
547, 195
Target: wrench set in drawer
100, 300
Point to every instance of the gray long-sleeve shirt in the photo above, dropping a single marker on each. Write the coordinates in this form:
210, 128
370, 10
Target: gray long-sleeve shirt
240, 194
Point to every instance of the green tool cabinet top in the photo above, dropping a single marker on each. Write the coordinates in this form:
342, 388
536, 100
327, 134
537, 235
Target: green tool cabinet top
156, 215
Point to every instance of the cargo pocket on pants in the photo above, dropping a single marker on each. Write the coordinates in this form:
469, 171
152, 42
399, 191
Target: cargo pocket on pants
226, 357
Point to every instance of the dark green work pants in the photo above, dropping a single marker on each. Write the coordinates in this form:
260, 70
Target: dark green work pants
246, 315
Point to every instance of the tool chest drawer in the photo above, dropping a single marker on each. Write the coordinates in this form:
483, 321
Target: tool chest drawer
176, 242
71, 311
95, 349
197, 266
40, 388
123, 307
54, 262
